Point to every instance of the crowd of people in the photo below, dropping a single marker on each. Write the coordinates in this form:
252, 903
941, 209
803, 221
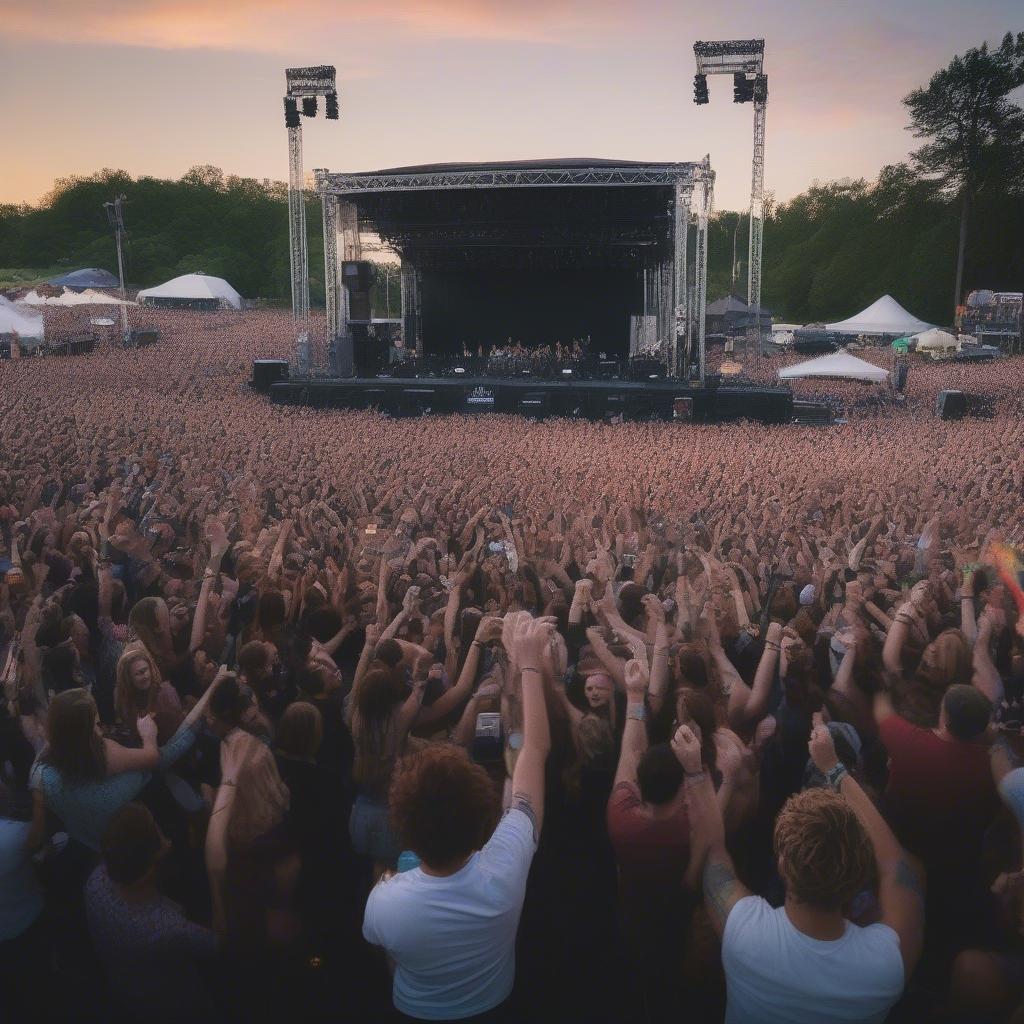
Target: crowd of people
479, 718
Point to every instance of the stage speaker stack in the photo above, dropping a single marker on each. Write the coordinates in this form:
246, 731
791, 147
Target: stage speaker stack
266, 372
357, 277
951, 405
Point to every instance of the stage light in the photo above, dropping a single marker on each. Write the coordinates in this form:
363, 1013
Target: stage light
760, 90
332, 106
309, 106
700, 89
291, 113
742, 88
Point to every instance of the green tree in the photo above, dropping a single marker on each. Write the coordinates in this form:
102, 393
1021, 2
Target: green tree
976, 131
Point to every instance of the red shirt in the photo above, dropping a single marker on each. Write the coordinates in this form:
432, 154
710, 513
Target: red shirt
647, 849
941, 796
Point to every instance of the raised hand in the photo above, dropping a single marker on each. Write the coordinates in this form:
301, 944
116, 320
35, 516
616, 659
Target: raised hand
821, 746
637, 679
686, 747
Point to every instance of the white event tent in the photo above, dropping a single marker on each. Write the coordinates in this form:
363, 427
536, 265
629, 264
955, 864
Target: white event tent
192, 288
883, 316
836, 364
28, 326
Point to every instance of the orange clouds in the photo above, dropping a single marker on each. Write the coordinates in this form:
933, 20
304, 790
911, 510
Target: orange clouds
270, 26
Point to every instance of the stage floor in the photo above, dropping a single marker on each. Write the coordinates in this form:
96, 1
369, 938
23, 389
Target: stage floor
593, 399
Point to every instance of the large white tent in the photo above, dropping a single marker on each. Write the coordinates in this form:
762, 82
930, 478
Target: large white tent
23, 322
883, 316
192, 288
836, 364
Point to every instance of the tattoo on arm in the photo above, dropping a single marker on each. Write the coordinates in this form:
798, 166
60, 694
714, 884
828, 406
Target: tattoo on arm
721, 887
906, 877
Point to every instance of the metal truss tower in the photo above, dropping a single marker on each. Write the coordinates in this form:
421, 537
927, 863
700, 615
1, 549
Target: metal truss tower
305, 85
743, 58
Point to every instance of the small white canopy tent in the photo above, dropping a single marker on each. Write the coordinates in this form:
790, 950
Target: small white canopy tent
936, 341
836, 364
28, 326
884, 316
191, 288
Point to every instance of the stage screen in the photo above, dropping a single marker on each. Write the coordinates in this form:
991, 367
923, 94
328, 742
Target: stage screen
533, 307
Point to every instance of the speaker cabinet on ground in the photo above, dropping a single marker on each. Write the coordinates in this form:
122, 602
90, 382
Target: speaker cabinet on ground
951, 405
266, 372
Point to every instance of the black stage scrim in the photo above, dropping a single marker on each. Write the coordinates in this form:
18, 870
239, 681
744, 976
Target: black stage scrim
541, 307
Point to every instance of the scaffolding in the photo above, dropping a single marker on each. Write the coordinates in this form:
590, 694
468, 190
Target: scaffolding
744, 60
305, 84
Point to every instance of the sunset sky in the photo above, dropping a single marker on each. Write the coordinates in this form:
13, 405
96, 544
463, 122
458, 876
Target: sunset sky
156, 86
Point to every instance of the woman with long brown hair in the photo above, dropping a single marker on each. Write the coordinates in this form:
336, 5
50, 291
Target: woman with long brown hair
140, 691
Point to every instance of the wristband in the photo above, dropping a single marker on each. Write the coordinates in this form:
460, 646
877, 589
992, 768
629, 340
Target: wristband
834, 776
694, 777
529, 668
637, 712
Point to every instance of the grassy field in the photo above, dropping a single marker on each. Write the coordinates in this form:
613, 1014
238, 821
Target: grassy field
26, 277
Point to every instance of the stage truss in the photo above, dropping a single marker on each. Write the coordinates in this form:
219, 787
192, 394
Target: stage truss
743, 57
674, 292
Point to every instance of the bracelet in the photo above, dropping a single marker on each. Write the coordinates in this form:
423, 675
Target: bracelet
476, 643
638, 712
228, 782
694, 777
772, 646
834, 776
530, 668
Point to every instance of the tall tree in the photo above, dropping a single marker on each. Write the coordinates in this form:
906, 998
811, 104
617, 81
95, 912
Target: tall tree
976, 131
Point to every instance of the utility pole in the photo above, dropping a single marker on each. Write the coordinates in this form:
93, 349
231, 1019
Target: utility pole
115, 216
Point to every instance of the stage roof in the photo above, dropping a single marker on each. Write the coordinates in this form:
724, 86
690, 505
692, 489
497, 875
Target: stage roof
578, 212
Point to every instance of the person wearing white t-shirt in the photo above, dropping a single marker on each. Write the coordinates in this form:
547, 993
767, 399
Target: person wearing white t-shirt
804, 962
449, 925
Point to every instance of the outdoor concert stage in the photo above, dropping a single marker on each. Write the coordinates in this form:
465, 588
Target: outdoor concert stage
590, 399
527, 254
537, 251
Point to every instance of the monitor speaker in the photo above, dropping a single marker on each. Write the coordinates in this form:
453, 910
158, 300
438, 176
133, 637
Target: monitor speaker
359, 305
357, 275
266, 372
951, 405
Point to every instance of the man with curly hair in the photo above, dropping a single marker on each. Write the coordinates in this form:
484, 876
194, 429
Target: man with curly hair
804, 961
449, 925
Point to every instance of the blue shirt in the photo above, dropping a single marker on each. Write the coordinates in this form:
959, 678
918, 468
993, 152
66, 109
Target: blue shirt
21, 898
85, 808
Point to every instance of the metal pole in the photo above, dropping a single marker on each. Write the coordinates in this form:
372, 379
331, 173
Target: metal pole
329, 204
118, 224
756, 229
299, 253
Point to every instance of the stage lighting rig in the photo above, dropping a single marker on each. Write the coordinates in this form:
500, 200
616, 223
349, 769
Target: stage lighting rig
332, 106
304, 84
744, 60
700, 89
